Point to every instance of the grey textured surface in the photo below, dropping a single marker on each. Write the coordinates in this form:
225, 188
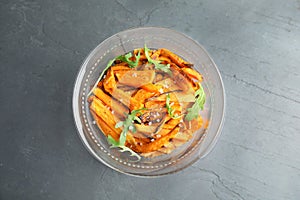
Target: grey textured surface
256, 45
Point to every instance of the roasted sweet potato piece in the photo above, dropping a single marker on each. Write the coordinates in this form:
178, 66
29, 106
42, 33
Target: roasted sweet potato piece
181, 79
115, 133
162, 97
135, 78
109, 82
162, 132
156, 54
180, 97
114, 105
185, 97
104, 112
142, 95
125, 88
153, 104
105, 119
158, 77
165, 129
106, 129
176, 59
100, 84
194, 124
156, 144
169, 84
148, 130
153, 88
164, 59
192, 74
172, 123
181, 137
120, 67
126, 99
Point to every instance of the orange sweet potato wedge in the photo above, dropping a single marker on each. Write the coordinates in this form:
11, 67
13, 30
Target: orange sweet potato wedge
106, 129
155, 104
142, 95
120, 67
114, 105
109, 82
164, 59
104, 112
136, 78
192, 74
181, 79
153, 88
176, 59
126, 99
156, 144
169, 85
156, 54
107, 121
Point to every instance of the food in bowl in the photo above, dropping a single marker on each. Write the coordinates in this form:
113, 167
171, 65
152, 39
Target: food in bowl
148, 102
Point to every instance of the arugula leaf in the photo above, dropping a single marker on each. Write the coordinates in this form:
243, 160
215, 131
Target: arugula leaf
102, 74
170, 109
193, 112
157, 63
112, 141
123, 148
128, 125
126, 58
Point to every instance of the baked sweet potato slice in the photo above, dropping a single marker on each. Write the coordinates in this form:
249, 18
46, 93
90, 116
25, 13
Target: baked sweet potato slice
192, 74
142, 95
105, 118
105, 128
109, 82
135, 78
156, 54
182, 80
155, 104
169, 85
164, 59
176, 59
114, 105
120, 67
156, 144
104, 112
158, 89
126, 99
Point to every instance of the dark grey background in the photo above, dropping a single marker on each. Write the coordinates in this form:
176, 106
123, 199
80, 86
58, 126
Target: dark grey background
256, 45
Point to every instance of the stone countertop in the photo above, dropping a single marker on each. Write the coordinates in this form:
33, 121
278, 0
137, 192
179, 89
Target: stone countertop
256, 45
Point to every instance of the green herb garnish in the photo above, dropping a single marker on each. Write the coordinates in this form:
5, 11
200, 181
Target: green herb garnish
128, 125
193, 112
157, 63
170, 109
126, 58
123, 148
102, 74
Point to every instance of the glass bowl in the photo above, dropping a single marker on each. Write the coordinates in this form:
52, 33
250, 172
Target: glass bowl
155, 37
